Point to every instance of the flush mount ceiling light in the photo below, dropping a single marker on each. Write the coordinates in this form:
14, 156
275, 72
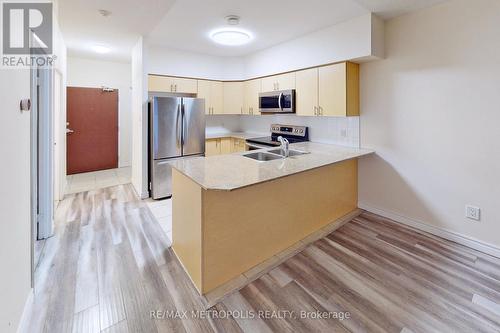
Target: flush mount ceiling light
231, 36
101, 49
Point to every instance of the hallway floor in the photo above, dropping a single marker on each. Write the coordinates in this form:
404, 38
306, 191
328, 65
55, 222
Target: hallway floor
86, 181
109, 268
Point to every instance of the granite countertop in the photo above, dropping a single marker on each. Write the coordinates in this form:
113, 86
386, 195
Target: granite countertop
239, 135
233, 171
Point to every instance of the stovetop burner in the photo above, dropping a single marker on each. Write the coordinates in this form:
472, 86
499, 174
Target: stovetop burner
292, 133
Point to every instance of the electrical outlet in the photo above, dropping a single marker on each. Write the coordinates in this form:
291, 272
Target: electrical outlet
473, 213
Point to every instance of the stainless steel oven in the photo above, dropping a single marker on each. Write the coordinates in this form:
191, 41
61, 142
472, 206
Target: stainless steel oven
292, 133
277, 101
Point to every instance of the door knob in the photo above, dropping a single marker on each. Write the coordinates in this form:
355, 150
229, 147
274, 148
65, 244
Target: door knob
69, 131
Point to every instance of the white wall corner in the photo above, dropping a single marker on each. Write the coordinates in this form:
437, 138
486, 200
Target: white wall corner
378, 37
139, 120
436, 231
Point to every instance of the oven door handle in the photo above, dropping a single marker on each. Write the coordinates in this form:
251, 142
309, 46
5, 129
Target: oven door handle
256, 146
279, 101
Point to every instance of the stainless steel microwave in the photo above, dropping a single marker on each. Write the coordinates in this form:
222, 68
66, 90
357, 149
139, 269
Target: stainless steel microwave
277, 101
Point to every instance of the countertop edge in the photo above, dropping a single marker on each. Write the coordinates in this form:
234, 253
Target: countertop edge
368, 152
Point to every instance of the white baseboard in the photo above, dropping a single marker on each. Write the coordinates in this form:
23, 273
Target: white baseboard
440, 232
28, 306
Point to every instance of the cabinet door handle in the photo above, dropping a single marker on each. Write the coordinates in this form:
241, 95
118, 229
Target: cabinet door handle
315, 110
320, 112
241, 110
171, 88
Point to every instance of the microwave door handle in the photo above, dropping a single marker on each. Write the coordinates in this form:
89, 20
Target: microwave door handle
279, 101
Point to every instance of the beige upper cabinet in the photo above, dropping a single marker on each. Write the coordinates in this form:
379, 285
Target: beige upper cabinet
171, 84
217, 97
204, 92
188, 86
339, 90
233, 97
213, 93
252, 91
279, 82
160, 83
331, 90
306, 94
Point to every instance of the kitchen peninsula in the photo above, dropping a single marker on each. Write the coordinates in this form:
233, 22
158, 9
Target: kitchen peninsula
232, 213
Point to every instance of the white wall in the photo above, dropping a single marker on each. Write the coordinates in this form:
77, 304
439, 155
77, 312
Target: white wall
167, 61
222, 124
358, 38
92, 73
139, 119
15, 252
431, 111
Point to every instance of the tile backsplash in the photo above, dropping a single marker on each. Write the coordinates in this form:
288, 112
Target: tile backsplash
336, 130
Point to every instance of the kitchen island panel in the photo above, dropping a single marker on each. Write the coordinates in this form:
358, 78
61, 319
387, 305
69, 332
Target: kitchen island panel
186, 225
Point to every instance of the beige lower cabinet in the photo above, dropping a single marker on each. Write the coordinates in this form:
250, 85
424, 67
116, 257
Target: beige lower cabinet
170, 84
233, 97
226, 146
213, 93
238, 145
221, 146
212, 147
252, 91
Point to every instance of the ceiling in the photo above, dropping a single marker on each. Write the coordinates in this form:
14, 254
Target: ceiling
83, 27
185, 24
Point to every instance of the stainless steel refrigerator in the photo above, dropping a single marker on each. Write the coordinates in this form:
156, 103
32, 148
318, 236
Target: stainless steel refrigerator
176, 131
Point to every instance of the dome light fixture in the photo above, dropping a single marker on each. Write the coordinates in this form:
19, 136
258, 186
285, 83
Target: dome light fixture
231, 36
101, 49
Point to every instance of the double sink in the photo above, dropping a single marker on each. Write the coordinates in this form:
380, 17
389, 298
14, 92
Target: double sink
274, 154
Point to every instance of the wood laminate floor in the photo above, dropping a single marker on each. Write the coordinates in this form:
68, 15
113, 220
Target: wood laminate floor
109, 266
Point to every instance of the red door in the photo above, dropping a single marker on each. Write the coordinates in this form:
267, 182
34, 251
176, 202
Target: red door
92, 138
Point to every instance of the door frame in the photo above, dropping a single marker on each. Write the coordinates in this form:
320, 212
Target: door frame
59, 136
41, 159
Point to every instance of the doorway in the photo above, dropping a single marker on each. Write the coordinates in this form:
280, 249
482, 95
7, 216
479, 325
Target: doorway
92, 129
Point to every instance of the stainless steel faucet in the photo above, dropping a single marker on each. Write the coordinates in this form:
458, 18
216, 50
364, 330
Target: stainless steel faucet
285, 146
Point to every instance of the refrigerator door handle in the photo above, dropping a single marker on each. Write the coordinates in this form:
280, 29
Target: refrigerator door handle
185, 133
177, 132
